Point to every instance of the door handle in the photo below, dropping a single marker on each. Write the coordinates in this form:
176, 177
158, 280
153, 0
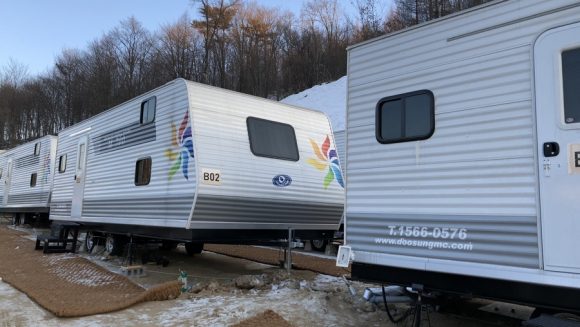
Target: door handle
551, 149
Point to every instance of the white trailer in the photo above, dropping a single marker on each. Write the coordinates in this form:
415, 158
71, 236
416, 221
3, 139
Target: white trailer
463, 154
26, 176
191, 162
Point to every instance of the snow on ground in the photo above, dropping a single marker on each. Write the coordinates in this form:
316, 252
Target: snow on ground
329, 98
301, 305
86, 275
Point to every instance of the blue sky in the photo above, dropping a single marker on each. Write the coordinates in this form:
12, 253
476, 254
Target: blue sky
34, 32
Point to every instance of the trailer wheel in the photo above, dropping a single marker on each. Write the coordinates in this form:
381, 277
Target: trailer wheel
114, 244
318, 245
90, 241
193, 248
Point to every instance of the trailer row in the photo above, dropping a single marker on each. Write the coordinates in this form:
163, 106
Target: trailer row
185, 162
462, 157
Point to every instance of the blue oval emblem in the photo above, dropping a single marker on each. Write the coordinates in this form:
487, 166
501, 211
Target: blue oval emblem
282, 180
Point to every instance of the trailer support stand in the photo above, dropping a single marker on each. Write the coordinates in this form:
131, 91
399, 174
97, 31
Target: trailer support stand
289, 251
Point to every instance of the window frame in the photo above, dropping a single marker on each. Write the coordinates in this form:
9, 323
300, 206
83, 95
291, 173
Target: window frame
60, 163
403, 96
272, 156
564, 123
135, 180
33, 178
37, 148
146, 101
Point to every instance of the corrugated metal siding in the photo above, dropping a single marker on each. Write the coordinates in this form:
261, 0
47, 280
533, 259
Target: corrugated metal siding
25, 163
2, 176
222, 143
478, 171
110, 194
340, 140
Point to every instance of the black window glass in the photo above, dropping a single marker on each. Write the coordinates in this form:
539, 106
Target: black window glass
33, 180
272, 139
571, 81
391, 118
62, 163
148, 110
143, 171
37, 149
405, 117
418, 115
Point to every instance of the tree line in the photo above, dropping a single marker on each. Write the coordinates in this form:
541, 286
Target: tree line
233, 44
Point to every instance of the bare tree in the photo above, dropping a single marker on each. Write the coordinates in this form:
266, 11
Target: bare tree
216, 20
178, 49
133, 47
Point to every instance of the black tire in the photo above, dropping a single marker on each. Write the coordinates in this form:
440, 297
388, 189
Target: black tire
193, 248
90, 241
168, 245
318, 245
115, 244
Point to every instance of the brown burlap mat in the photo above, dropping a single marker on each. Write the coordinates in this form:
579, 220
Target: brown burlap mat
267, 318
68, 285
273, 257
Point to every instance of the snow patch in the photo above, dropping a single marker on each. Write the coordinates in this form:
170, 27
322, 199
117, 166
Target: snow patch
329, 98
85, 275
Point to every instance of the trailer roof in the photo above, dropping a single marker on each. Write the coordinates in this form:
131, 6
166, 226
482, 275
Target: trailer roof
427, 23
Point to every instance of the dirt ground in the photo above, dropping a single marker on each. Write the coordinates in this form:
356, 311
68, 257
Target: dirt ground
224, 291
273, 257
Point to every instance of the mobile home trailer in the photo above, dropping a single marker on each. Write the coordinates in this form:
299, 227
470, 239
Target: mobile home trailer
463, 154
26, 177
191, 162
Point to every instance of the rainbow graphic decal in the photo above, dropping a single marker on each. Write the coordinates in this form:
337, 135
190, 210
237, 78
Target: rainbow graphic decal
326, 158
181, 147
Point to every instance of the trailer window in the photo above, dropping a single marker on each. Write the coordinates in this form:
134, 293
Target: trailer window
81, 156
405, 117
143, 171
148, 110
33, 180
62, 163
272, 139
571, 81
1, 170
37, 149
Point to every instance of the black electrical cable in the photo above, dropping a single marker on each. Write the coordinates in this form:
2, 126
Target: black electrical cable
393, 320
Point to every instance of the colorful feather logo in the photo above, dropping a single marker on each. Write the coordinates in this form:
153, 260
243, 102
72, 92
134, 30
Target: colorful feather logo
181, 147
326, 159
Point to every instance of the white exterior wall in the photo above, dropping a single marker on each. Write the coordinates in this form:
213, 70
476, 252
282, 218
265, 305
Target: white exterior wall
340, 139
21, 196
478, 171
246, 196
110, 194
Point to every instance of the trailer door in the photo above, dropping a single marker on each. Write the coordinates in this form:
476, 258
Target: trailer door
7, 182
557, 81
79, 178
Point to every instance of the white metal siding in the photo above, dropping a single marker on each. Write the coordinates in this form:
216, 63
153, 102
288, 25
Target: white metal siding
218, 121
478, 171
340, 139
247, 196
25, 163
110, 194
